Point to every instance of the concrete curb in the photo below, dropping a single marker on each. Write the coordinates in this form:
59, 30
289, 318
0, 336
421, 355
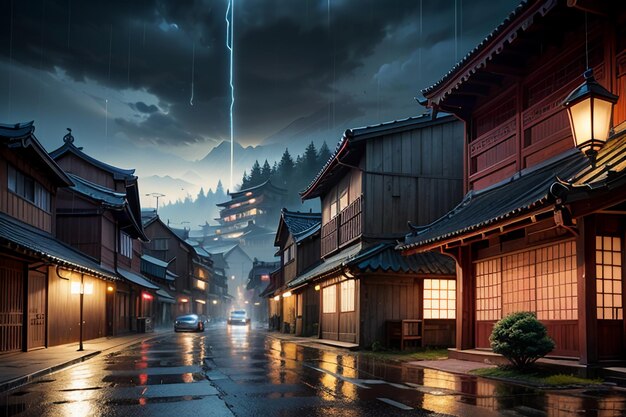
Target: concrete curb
26, 379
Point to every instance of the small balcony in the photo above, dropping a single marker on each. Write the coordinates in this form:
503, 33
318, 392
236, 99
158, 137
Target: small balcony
342, 229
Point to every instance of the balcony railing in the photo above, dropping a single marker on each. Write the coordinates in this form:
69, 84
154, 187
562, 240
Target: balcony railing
343, 228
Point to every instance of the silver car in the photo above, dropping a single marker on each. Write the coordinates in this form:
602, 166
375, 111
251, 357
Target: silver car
191, 322
239, 317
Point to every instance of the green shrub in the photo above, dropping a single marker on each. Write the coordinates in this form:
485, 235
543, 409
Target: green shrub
377, 346
521, 338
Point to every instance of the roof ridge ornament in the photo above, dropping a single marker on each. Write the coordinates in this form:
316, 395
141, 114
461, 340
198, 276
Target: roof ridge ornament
68, 138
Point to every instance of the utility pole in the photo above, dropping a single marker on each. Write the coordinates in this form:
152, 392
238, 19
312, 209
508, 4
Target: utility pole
157, 196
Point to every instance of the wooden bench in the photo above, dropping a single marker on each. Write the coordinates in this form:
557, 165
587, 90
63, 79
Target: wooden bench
404, 331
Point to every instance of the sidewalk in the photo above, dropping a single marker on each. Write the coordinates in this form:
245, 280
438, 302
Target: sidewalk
20, 368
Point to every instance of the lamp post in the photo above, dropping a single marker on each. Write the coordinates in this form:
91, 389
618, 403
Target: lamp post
81, 288
157, 196
590, 107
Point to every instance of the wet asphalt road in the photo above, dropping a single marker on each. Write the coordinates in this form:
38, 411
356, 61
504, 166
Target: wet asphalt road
240, 371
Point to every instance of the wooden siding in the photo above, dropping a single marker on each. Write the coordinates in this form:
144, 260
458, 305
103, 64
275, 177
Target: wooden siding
82, 233
291, 268
17, 207
109, 244
11, 304
525, 123
64, 308
36, 320
77, 166
308, 253
387, 298
414, 176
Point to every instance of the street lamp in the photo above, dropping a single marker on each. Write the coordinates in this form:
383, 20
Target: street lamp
589, 108
81, 288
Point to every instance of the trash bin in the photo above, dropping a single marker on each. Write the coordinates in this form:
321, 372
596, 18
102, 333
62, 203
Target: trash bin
149, 324
141, 324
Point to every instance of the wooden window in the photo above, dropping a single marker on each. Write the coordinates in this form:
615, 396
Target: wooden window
541, 280
609, 278
28, 189
347, 295
439, 299
288, 254
200, 284
126, 245
160, 244
557, 291
488, 290
518, 283
333, 209
329, 299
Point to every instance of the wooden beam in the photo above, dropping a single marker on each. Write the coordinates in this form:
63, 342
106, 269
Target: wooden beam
596, 7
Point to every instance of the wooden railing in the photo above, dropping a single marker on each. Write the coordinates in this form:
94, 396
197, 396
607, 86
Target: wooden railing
350, 222
330, 236
343, 228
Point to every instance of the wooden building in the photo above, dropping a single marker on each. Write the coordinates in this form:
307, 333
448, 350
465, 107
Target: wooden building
258, 281
41, 277
298, 240
191, 274
100, 216
541, 228
261, 204
368, 191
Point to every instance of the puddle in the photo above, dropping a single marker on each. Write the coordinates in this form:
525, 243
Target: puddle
143, 379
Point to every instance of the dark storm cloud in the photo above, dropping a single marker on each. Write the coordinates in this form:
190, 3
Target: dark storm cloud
159, 129
144, 108
290, 55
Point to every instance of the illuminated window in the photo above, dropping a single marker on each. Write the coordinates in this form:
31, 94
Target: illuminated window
343, 200
200, 284
333, 209
557, 290
609, 278
540, 280
488, 290
347, 295
329, 299
439, 299
518, 283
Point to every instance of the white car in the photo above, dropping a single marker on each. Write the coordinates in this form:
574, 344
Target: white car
239, 317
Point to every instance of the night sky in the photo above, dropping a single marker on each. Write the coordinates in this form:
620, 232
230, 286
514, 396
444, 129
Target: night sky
119, 73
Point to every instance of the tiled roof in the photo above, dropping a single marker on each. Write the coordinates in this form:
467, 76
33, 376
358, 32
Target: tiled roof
69, 147
328, 266
15, 234
21, 136
384, 258
137, 279
299, 225
523, 192
97, 192
470, 64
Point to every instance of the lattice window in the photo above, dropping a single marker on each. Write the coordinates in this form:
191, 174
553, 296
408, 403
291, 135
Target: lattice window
609, 278
488, 290
347, 295
439, 299
329, 299
557, 290
518, 283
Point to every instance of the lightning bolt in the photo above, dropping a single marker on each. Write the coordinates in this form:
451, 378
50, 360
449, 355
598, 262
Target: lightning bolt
230, 44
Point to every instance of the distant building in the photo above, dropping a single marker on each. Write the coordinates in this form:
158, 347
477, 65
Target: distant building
260, 204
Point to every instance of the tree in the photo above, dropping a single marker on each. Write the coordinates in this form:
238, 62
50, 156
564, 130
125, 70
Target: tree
323, 155
309, 160
521, 338
219, 190
255, 177
245, 180
266, 171
285, 167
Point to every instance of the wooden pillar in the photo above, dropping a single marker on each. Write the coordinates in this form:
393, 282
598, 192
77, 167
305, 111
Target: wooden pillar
465, 300
586, 277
